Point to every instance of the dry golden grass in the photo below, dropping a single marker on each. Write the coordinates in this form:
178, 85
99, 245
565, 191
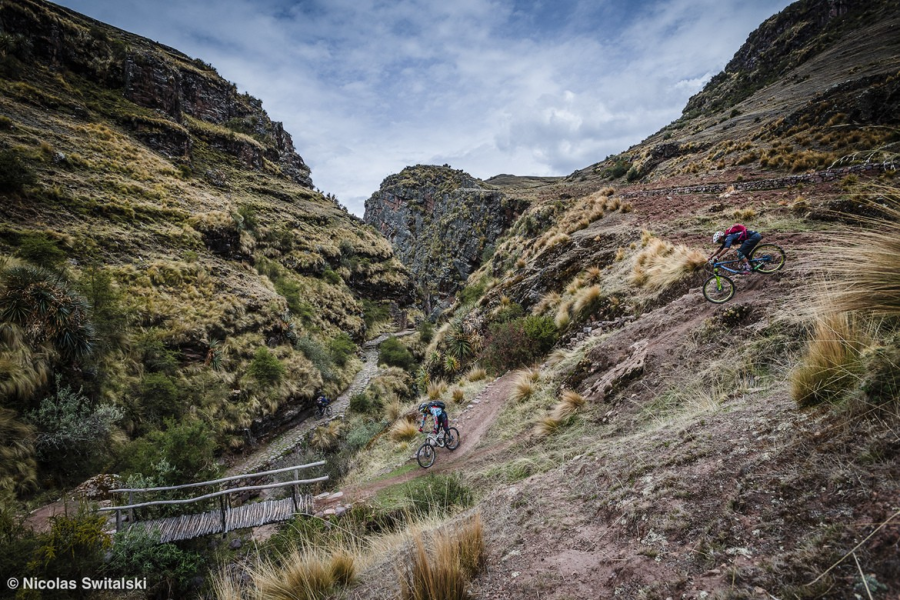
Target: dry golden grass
326, 437
831, 363
563, 318
570, 402
744, 214
403, 431
660, 264
593, 274
586, 299
547, 426
476, 374
864, 264
557, 356
392, 409
457, 395
524, 385
620, 254
445, 574
436, 389
303, 575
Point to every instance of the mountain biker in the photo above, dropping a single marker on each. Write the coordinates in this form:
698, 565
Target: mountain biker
736, 233
437, 410
322, 401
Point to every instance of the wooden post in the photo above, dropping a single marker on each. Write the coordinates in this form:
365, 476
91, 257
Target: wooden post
118, 520
130, 510
295, 490
224, 520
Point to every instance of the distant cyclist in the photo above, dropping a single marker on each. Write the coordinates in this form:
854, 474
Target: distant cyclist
321, 402
737, 233
438, 411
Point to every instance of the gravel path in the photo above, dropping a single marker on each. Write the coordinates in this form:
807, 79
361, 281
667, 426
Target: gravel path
283, 444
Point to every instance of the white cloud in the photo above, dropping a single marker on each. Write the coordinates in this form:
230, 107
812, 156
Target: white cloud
489, 86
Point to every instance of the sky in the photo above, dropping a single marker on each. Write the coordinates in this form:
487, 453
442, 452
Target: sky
368, 87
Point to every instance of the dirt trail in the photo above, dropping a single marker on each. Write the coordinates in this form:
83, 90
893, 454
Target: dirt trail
282, 444
473, 423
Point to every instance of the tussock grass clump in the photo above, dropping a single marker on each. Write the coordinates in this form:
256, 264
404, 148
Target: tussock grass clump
831, 364
326, 437
476, 374
301, 574
436, 389
525, 386
445, 573
570, 402
392, 409
563, 318
457, 395
587, 299
547, 426
403, 431
661, 264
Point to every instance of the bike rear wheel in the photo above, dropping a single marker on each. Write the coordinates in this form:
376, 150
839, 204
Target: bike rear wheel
767, 258
718, 289
451, 439
327, 411
425, 455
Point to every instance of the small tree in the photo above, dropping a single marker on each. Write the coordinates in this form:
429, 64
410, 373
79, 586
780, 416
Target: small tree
266, 368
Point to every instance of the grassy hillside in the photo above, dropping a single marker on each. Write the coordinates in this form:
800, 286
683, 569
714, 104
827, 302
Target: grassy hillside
163, 251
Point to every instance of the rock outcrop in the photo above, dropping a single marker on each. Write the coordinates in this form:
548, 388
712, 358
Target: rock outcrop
442, 223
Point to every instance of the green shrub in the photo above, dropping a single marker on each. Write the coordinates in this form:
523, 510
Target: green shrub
14, 174
40, 250
437, 494
106, 308
362, 403
375, 312
154, 354
72, 549
341, 349
159, 397
426, 331
519, 342
472, 293
317, 355
183, 453
266, 368
362, 434
618, 168
394, 354
331, 277
169, 569
633, 174
71, 431
509, 312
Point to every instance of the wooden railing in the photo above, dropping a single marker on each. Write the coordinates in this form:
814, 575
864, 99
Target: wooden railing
223, 495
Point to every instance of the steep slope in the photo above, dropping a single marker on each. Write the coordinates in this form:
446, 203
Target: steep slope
683, 466
222, 287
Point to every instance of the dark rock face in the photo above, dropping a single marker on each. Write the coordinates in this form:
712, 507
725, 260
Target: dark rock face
441, 222
159, 78
782, 43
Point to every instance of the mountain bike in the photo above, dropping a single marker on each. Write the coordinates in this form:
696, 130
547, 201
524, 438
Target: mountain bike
427, 452
323, 410
765, 259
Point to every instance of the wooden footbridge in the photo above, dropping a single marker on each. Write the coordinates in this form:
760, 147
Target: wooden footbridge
224, 519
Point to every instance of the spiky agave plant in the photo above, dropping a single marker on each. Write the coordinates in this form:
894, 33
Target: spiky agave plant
47, 309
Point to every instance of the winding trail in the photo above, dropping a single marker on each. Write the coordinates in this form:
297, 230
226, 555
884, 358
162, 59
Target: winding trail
284, 443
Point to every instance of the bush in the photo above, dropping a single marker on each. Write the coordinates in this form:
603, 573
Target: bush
71, 431
40, 250
515, 343
426, 331
331, 277
14, 174
437, 494
341, 349
159, 397
361, 403
266, 368
509, 312
72, 549
375, 312
169, 569
317, 355
471, 293
393, 353
181, 454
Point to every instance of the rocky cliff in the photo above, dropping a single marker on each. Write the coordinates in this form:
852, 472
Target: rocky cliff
184, 93
442, 223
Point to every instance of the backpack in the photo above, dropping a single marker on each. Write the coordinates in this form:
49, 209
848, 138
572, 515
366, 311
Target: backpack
438, 404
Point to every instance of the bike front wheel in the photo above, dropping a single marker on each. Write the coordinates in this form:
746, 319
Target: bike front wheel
718, 289
767, 258
425, 455
451, 439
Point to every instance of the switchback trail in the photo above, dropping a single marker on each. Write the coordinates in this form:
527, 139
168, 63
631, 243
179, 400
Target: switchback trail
282, 444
